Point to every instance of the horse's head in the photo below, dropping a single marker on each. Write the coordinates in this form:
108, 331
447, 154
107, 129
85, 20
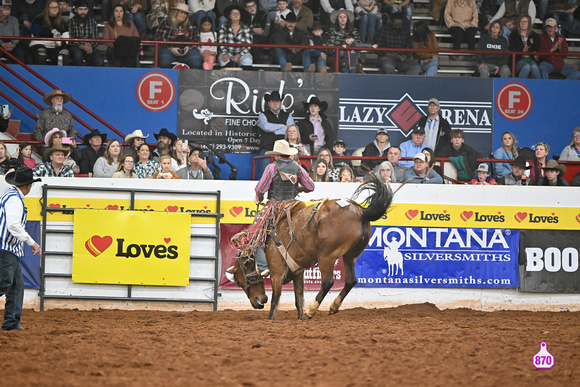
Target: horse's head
246, 275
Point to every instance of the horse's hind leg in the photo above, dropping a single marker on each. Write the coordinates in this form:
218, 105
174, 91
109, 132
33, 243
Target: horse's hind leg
276, 293
349, 282
298, 283
327, 276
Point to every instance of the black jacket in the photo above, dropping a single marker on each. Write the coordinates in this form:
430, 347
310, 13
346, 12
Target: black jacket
443, 137
88, 157
469, 155
306, 129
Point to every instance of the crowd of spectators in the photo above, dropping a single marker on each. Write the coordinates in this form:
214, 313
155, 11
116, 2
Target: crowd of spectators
502, 26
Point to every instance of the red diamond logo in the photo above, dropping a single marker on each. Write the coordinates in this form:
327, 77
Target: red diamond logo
406, 114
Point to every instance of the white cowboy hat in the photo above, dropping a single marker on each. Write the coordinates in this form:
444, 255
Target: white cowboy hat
136, 134
337, 12
282, 148
182, 7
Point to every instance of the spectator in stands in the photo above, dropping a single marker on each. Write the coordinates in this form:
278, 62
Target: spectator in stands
377, 148
7, 163
349, 58
201, 9
234, 31
395, 36
134, 140
55, 116
9, 27
124, 52
49, 24
525, 39
256, 20
390, 7
482, 176
57, 138
289, 35
436, 127
339, 149
273, 121
576, 180
125, 169
178, 27
494, 62
317, 37
508, 13
207, 35
385, 172
418, 172
179, 155
551, 41
279, 17
333, 170
160, 10
320, 171
221, 6
430, 154
165, 141
394, 156
145, 167
437, 8
508, 150
24, 154
26, 11
463, 157
165, 172
517, 175
4, 121
55, 167
82, 26
197, 168
136, 11
316, 129
52, 138
295, 141
107, 165
572, 152
346, 175
69, 160
270, 7
66, 9
542, 150
553, 173
304, 16
413, 146
94, 149
370, 20
342, 25
560, 10
461, 18
330, 7
424, 39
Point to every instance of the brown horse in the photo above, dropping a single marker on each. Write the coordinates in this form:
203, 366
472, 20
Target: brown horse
340, 228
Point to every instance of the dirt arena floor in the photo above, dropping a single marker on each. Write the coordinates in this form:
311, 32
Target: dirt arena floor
409, 345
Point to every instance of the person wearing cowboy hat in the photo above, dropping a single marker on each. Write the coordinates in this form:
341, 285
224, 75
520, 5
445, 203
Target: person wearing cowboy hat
316, 129
165, 141
517, 175
13, 236
286, 36
55, 116
553, 172
134, 140
273, 121
331, 9
317, 37
234, 31
94, 149
55, 167
304, 16
178, 26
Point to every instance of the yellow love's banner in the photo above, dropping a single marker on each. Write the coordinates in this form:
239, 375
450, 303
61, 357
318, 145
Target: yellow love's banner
131, 247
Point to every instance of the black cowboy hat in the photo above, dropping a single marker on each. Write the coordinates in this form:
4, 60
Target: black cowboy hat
21, 176
94, 132
290, 18
317, 26
313, 100
520, 162
272, 96
166, 133
229, 9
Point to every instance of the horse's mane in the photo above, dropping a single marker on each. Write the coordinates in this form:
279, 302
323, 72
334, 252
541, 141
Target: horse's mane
378, 202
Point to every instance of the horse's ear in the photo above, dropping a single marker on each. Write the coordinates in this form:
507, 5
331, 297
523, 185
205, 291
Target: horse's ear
232, 270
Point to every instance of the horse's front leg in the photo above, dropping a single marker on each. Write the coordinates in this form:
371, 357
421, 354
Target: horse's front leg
349, 283
327, 277
276, 293
298, 283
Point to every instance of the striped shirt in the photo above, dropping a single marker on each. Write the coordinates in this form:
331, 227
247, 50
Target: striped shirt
12, 222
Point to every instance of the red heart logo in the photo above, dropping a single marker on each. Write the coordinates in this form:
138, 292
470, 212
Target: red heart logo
553, 214
465, 215
444, 211
499, 212
205, 207
112, 207
172, 209
235, 211
578, 218
410, 214
88, 205
520, 216
148, 206
53, 206
167, 240
96, 245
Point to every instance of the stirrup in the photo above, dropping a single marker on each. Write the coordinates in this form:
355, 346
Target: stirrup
265, 273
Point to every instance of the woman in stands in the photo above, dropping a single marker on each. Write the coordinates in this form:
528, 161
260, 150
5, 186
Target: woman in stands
326, 155
234, 31
461, 19
178, 27
572, 151
179, 155
293, 138
424, 39
116, 27
342, 25
107, 165
125, 169
49, 24
428, 152
320, 171
145, 167
542, 150
508, 150
385, 172
136, 11
346, 175
24, 154
525, 39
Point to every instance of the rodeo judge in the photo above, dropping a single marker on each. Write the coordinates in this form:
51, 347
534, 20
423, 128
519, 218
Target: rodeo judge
282, 180
13, 235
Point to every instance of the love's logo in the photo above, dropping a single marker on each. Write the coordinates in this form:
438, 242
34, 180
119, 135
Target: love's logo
96, 244
578, 218
520, 216
235, 211
171, 209
465, 215
410, 214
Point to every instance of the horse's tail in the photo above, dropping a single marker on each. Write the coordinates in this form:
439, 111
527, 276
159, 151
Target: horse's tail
378, 202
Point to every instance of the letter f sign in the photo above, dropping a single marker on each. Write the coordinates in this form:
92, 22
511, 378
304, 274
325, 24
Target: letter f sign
513, 98
154, 88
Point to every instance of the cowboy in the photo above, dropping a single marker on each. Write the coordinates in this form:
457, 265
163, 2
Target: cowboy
553, 174
165, 141
55, 167
94, 142
134, 140
55, 116
316, 129
13, 235
517, 176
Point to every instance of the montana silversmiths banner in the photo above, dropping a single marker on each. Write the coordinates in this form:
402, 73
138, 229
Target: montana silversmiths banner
221, 107
549, 261
439, 257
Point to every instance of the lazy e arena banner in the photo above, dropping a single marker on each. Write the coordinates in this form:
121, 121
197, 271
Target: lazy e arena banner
131, 247
439, 257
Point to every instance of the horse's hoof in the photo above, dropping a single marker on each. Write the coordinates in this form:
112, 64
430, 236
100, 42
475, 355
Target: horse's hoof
333, 311
306, 316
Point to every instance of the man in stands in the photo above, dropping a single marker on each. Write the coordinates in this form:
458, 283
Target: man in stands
165, 141
395, 36
94, 149
273, 121
517, 176
394, 157
197, 168
553, 172
290, 35
377, 148
436, 127
55, 116
419, 169
9, 27
413, 146
457, 148
304, 16
551, 41
55, 167
25, 11
82, 26
255, 19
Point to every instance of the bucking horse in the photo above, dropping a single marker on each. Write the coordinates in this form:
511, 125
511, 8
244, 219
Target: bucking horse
317, 234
